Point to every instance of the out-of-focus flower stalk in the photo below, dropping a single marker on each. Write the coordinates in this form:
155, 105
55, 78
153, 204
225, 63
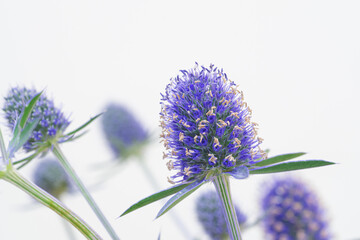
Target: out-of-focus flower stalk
65, 163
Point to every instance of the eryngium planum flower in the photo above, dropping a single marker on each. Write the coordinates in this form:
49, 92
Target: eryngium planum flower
123, 131
209, 213
206, 125
292, 211
50, 176
52, 121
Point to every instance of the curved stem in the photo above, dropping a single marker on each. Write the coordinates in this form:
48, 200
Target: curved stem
69, 230
13, 177
222, 186
64, 162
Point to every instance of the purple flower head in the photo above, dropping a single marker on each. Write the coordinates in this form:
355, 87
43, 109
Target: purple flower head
50, 176
123, 132
202, 110
292, 211
52, 122
211, 217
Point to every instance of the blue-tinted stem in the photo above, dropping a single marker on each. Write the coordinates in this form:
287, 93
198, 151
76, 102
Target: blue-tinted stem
156, 187
64, 162
5, 158
222, 186
13, 177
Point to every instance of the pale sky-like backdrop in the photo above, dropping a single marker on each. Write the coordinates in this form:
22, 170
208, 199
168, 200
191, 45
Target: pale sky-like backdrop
297, 62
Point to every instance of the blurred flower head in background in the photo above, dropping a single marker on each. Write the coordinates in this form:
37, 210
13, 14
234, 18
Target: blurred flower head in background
51, 177
211, 217
206, 125
292, 211
52, 122
123, 132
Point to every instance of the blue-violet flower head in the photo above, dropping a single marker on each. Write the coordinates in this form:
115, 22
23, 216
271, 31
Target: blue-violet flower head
292, 212
211, 217
50, 176
123, 132
206, 126
52, 121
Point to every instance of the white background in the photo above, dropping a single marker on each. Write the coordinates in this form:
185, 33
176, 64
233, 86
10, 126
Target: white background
297, 63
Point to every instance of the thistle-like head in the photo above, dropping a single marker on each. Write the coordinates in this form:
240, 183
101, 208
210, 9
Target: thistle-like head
52, 122
206, 126
123, 131
292, 211
50, 176
211, 217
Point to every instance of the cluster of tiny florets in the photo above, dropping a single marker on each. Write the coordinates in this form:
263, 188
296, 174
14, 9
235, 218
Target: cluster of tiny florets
292, 212
50, 176
52, 121
211, 217
122, 130
206, 125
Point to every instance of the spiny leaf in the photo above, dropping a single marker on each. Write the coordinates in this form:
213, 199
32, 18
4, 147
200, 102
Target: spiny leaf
28, 109
181, 195
279, 158
24, 136
18, 135
82, 126
291, 166
155, 197
26, 160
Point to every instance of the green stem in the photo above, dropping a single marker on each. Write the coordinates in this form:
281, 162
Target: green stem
69, 230
5, 157
13, 177
222, 186
61, 157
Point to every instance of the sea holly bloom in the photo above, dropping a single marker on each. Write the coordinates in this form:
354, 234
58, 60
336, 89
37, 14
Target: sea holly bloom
206, 126
292, 211
208, 136
39, 126
124, 133
50, 176
211, 217
51, 120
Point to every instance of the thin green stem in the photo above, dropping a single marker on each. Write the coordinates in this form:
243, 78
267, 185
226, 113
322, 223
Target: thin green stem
69, 230
14, 177
5, 157
64, 162
222, 186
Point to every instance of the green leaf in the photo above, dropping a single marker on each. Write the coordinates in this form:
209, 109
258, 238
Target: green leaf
20, 124
73, 137
181, 195
291, 166
82, 126
24, 136
279, 158
155, 197
28, 109
26, 160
